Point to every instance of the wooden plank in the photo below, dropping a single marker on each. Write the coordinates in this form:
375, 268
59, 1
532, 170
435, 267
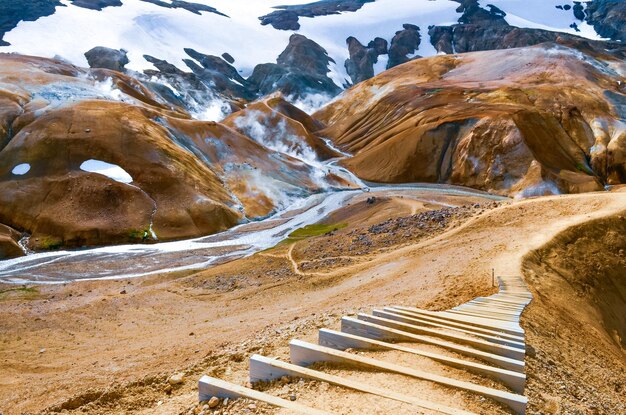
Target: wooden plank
388, 319
263, 368
482, 315
510, 328
342, 341
454, 324
417, 321
371, 330
305, 354
209, 387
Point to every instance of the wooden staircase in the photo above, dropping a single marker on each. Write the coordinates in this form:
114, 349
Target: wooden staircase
482, 337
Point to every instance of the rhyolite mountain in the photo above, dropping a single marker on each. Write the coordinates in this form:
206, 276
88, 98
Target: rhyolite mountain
186, 118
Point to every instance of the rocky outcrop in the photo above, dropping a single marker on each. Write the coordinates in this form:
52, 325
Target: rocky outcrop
222, 76
360, 65
96, 4
608, 18
287, 17
196, 8
404, 43
301, 69
14, 12
481, 29
9, 246
539, 121
106, 58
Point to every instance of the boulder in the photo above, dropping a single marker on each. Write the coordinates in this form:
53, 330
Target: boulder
360, 65
106, 58
9, 247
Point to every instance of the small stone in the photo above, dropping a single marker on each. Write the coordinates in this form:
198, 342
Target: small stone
252, 407
284, 380
292, 397
42, 351
168, 389
176, 379
214, 402
123, 292
159, 403
87, 130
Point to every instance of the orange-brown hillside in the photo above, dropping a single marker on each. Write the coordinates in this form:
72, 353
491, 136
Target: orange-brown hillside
525, 121
187, 177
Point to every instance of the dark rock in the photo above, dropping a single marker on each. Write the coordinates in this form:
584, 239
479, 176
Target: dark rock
228, 58
487, 30
360, 65
305, 55
96, 4
608, 18
101, 57
12, 12
379, 45
404, 42
286, 18
567, 7
579, 11
300, 69
221, 74
195, 8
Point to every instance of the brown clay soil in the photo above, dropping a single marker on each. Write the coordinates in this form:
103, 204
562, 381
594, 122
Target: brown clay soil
108, 347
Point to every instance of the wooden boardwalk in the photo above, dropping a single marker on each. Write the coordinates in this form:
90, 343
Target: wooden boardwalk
486, 329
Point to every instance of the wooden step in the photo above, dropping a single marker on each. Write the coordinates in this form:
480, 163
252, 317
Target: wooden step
305, 354
380, 332
209, 387
454, 324
264, 368
399, 315
342, 341
387, 319
507, 327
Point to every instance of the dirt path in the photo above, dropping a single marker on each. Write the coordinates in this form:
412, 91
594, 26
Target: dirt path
100, 334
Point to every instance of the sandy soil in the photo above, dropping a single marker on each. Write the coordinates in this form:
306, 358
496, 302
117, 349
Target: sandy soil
108, 347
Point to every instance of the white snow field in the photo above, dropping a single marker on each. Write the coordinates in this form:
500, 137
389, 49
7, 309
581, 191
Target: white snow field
21, 169
145, 28
112, 171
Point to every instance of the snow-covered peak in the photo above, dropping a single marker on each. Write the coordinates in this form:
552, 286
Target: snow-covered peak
144, 28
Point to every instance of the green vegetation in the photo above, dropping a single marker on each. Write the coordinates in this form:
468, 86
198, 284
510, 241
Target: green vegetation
315, 230
309, 231
26, 293
51, 244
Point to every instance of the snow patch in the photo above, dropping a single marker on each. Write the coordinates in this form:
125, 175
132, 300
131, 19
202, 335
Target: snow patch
112, 171
215, 110
543, 188
21, 169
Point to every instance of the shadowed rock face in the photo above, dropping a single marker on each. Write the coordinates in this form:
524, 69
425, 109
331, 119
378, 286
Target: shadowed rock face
9, 247
300, 69
360, 65
105, 58
405, 42
288, 16
608, 18
537, 122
